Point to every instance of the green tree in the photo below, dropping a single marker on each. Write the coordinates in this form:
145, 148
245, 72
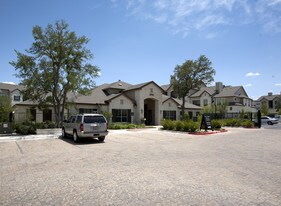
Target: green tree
191, 75
55, 65
264, 108
5, 108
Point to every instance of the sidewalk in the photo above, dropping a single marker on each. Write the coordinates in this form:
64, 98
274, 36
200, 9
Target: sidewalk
16, 137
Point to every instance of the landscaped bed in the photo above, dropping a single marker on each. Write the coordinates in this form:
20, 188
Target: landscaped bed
194, 127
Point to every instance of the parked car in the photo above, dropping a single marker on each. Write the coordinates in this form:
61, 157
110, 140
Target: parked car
85, 126
269, 120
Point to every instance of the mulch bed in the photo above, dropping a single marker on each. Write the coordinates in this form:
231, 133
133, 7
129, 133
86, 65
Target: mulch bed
208, 132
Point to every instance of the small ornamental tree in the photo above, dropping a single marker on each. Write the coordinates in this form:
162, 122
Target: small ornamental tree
55, 65
5, 108
264, 108
191, 75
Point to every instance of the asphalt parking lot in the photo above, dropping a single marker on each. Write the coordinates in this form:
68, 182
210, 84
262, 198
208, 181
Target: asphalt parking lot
145, 167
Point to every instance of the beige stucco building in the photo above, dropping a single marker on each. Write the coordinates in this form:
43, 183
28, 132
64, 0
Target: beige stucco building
146, 103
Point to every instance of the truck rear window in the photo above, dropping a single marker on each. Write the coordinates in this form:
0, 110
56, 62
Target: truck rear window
94, 119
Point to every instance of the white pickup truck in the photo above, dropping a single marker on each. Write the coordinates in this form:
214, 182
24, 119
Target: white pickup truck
85, 126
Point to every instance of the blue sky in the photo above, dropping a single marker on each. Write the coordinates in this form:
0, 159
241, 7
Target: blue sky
142, 40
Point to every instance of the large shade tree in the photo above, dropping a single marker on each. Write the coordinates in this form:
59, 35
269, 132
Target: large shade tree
56, 64
191, 75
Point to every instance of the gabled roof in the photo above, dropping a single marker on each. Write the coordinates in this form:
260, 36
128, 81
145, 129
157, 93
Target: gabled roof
230, 91
166, 87
140, 86
269, 97
187, 105
113, 96
97, 96
118, 85
11, 87
210, 90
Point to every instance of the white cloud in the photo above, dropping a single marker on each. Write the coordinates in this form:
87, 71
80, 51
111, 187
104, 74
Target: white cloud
187, 16
279, 84
251, 74
248, 85
9, 82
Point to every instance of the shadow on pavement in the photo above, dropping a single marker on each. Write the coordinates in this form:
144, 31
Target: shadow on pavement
82, 141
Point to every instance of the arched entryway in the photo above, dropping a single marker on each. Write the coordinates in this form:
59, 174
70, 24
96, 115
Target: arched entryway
149, 111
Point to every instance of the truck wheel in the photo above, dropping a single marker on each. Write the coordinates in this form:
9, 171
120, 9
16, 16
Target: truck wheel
101, 139
75, 137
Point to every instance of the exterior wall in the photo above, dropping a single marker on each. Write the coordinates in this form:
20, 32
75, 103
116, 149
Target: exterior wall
239, 109
150, 91
122, 102
16, 93
21, 113
170, 105
74, 109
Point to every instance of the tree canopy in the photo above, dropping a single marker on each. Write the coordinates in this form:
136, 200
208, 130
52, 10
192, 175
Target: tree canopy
191, 75
55, 64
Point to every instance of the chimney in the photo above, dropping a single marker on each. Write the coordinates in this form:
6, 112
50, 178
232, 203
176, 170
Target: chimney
219, 87
269, 93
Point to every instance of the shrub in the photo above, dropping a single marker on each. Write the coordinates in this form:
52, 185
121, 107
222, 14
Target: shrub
31, 127
193, 126
247, 123
216, 124
232, 122
125, 126
179, 125
22, 129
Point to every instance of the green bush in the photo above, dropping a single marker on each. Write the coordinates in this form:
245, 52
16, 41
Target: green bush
247, 123
216, 124
22, 129
31, 127
179, 125
232, 123
125, 126
194, 126
186, 125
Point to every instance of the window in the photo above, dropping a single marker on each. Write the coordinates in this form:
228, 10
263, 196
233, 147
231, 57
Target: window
16, 98
270, 104
173, 94
196, 102
121, 115
94, 119
79, 119
47, 115
205, 102
169, 114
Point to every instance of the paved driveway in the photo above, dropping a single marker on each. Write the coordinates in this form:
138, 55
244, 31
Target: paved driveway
145, 167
